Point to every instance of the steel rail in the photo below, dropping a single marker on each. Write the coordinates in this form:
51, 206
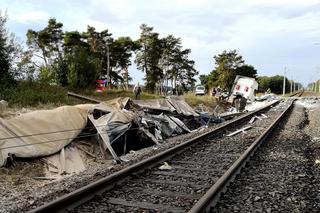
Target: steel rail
298, 94
86, 193
212, 196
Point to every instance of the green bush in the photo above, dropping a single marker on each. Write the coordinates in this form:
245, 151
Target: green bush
33, 94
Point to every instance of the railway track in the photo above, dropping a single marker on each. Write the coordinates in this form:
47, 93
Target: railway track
278, 177
192, 179
297, 94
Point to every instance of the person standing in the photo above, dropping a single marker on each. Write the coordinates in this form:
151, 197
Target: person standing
137, 91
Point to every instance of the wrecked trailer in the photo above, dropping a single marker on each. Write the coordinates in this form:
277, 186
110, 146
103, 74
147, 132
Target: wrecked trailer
119, 125
174, 106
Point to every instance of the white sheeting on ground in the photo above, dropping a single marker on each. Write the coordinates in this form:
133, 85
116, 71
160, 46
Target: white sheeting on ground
257, 105
36, 125
72, 162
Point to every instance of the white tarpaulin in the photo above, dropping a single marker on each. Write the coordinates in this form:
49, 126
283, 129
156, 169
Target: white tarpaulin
41, 132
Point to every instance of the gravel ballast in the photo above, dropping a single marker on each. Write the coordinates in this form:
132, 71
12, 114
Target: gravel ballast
283, 176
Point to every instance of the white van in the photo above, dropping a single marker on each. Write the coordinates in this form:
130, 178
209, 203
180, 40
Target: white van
200, 90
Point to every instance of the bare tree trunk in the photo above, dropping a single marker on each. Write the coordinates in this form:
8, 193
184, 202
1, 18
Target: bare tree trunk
127, 78
167, 84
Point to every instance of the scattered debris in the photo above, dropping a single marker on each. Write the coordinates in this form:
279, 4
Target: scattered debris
238, 131
45, 178
87, 152
120, 125
252, 119
258, 117
165, 166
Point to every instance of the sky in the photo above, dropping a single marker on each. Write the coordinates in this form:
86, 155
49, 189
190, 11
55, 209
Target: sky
271, 35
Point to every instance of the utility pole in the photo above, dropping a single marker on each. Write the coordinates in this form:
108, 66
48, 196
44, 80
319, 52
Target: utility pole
108, 68
284, 82
290, 86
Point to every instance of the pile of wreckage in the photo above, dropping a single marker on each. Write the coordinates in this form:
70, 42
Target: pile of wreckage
120, 125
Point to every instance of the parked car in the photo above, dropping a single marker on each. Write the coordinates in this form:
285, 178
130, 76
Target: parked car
200, 90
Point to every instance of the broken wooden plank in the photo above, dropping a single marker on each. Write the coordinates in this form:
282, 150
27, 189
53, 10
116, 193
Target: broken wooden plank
47, 162
85, 143
86, 151
149, 135
105, 138
252, 120
44, 178
258, 117
238, 131
62, 162
83, 97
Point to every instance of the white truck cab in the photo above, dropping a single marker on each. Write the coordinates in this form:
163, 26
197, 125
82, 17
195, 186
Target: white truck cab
245, 87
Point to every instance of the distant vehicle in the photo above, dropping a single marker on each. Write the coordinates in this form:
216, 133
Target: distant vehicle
100, 85
200, 90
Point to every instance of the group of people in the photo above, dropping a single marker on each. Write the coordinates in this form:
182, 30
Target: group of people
216, 92
137, 91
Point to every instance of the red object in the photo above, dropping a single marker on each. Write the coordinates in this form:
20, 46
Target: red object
238, 87
100, 85
246, 89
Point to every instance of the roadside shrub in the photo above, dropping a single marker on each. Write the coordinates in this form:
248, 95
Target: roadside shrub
29, 93
194, 100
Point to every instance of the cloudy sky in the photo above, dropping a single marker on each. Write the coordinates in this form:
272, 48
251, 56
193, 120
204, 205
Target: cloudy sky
269, 34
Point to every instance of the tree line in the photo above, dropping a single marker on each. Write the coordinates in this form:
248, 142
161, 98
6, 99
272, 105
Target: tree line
76, 59
314, 86
229, 64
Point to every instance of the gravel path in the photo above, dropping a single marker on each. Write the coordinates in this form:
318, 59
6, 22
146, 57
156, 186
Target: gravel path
283, 175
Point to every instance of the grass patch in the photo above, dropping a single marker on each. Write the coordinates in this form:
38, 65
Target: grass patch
194, 100
33, 94
115, 93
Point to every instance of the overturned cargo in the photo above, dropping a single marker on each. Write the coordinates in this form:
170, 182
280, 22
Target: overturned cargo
120, 125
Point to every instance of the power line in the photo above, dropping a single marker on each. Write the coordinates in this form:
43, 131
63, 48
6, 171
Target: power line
51, 141
47, 133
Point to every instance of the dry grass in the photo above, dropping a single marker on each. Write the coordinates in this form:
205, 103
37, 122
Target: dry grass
115, 93
205, 100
